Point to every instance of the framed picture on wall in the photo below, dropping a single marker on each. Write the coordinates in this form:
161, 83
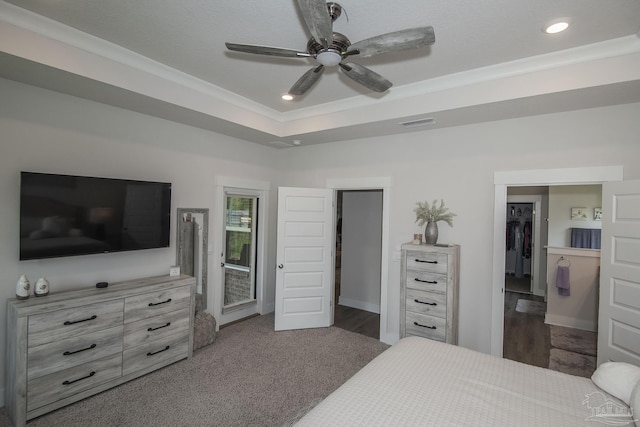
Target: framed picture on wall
597, 214
579, 214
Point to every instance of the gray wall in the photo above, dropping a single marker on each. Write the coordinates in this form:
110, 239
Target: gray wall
561, 200
458, 164
361, 251
48, 132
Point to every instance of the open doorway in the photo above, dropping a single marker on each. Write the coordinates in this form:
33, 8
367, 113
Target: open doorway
545, 326
526, 336
357, 264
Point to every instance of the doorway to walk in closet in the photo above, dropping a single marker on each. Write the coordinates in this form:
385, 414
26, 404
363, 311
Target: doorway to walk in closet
357, 263
526, 336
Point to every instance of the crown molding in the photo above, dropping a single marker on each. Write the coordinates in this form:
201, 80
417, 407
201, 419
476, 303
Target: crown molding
44, 41
65, 35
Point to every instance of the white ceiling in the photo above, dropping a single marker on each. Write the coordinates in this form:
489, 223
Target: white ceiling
490, 61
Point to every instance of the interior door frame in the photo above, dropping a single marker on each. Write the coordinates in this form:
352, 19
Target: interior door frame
536, 201
249, 187
528, 178
384, 184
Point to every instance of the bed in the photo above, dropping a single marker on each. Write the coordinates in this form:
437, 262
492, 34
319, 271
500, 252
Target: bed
420, 382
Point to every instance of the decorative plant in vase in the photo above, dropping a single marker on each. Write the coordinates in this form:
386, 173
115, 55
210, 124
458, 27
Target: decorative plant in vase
431, 214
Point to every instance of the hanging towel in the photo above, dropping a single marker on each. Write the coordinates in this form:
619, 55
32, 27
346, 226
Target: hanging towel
562, 280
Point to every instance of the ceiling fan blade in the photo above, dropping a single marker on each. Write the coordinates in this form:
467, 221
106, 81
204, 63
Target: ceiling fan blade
266, 50
316, 16
307, 80
366, 77
392, 42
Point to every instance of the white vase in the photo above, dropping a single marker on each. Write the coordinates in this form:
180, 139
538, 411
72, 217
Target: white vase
42, 287
23, 288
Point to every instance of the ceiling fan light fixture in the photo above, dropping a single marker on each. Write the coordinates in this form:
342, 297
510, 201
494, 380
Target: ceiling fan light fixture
557, 25
329, 58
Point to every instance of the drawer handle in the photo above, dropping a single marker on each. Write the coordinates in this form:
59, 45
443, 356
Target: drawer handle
159, 327
153, 304
425, 261
424, 302
69, 353
433, 282
67, 382
69, 322
424, 326
159, 351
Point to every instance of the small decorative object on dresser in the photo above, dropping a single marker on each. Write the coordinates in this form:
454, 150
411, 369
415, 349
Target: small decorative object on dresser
431, 215
23, 288
42, 287
429, 292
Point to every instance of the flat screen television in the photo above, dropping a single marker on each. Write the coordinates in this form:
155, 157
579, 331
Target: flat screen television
64, 215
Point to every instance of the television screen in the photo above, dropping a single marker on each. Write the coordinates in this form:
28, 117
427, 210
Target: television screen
63, 215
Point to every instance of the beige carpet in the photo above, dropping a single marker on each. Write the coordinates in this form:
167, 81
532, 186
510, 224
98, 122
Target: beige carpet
572, 363
537, 308
251, 376
573, 351
576, 340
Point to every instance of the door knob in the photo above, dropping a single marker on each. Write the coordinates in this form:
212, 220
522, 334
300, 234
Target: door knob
280, 266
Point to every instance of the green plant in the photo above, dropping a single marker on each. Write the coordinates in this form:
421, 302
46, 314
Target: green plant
433, 213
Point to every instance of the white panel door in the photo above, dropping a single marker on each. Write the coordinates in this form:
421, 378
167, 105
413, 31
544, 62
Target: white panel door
304, 270
619, 321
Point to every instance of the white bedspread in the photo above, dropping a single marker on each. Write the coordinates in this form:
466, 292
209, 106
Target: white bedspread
419, 382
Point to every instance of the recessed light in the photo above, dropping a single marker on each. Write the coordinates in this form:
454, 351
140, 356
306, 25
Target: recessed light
287, 97
297, 142
557, 25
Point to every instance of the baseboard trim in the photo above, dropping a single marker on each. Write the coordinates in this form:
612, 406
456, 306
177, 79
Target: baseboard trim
571, 322
360, 305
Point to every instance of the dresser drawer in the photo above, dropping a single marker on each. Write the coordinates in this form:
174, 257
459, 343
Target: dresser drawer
51, 388
431, 303
153, 328
171, 348
61, 324
426, 326
427, 261
155, 303
56, 356
426, 281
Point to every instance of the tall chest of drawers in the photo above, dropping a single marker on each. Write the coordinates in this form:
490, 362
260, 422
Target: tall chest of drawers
429, 292
70, 345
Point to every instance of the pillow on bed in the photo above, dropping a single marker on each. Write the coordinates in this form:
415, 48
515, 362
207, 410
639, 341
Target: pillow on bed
617, 379
635, 403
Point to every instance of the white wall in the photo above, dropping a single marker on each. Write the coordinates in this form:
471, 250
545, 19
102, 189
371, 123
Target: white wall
458, 165
49, 132
45, 131
561, 200
361, 240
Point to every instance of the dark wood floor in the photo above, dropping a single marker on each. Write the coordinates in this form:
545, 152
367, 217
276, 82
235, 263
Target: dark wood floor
526, 337
359, 321
522, 285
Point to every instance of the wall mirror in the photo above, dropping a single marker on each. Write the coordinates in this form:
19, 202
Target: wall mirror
191, 249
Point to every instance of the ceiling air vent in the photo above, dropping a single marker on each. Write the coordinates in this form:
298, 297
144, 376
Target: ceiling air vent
279, 144
419, 122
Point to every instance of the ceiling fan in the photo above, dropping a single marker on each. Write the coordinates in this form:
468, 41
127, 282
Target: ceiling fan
331, 49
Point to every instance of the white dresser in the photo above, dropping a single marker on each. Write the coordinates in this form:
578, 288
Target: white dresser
429, 292
67, 346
